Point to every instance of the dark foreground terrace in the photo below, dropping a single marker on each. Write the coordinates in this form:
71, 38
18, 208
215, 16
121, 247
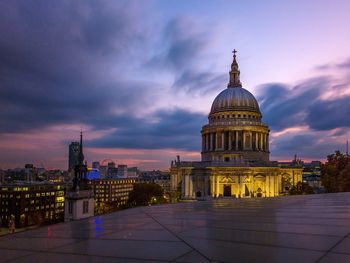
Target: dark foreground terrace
298, 229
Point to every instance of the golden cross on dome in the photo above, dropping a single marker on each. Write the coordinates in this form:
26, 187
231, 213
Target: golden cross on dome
234, 52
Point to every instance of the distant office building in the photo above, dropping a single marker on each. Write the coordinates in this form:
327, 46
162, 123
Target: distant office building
165, 182
2, 177
30, 172
111, 165
108, 191
73, 155
312, 175
157, 177
103, 171
32, 203
132, 172
96, 165
55, 176
122, 171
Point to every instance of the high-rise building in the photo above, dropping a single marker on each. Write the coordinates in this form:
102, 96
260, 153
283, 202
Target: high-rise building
73, 155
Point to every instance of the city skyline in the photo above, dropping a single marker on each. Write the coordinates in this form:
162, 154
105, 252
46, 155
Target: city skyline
139, 77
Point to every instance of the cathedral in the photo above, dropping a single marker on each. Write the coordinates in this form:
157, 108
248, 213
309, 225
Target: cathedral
235, 152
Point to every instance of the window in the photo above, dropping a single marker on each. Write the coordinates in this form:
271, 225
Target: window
85, 207
70, 207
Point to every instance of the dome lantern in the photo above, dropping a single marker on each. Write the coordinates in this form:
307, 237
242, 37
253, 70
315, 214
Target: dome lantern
234, 73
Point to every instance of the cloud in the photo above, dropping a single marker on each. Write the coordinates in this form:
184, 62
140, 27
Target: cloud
310, 118
183, 41
286, 106
64, 63
200, 82
176, 129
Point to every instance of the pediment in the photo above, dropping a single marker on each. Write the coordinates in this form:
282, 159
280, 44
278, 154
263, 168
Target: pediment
226, 179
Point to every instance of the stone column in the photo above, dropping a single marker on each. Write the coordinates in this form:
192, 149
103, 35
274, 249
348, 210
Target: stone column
212, 190
215, 145
261, 141
211, 141
203, 142
236, 146
256, 141
223, 140
183, 187
267, 142
251, 140
191, 186
229, 141
217, 186
243, 135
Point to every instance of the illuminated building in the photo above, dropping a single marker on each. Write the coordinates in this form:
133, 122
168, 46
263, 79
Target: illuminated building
112, 190
32, 203
93, 173
235, 152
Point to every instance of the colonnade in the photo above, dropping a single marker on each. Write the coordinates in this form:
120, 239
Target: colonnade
235, 141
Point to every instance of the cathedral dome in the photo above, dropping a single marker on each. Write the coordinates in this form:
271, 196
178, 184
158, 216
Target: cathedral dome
235, 99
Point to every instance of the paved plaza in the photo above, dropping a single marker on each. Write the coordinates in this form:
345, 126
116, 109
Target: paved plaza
300, 229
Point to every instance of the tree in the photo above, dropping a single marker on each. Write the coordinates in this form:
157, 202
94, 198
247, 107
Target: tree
335, 173
145, 194
301, 189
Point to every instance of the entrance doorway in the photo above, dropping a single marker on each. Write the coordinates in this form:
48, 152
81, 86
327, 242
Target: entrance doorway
227, 190
259, 192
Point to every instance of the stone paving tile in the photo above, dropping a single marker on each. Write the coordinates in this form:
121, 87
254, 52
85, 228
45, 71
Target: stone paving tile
313, 242
149, 250
10, 254
343, 247
283, 229
154, 235
70, 258
335, 258
192, 256
239, 252
34, 244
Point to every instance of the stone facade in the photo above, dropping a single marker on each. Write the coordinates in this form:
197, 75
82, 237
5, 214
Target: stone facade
230, 180
235, 152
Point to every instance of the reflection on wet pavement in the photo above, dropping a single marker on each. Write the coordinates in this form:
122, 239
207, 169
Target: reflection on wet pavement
312, 228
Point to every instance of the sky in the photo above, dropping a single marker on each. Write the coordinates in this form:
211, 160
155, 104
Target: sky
139, 77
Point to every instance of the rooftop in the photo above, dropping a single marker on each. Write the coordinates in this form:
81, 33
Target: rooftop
314, 228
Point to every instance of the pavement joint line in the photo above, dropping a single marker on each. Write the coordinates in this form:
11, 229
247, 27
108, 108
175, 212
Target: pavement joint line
256, 244
12, 259
82, 254
173, 233
184, 254
331, 248
263, 231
